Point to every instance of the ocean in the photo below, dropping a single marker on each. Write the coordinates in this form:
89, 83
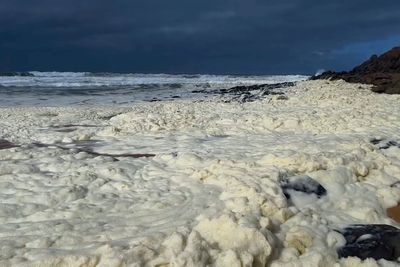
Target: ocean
83, 88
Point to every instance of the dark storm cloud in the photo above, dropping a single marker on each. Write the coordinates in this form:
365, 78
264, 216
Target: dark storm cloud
217, 36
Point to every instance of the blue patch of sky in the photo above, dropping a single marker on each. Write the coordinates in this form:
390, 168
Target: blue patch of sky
350, 55
366, 49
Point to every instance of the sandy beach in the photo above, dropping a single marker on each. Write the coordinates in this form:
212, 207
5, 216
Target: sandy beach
199, 183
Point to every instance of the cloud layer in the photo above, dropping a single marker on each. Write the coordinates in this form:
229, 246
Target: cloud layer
180, 36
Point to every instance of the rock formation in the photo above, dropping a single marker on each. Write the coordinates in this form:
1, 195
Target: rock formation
382, 71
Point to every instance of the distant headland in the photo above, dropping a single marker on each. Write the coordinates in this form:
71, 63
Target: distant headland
382, 71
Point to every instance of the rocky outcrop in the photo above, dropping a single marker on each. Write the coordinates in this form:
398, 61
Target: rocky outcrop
249, 93
377, 241
382, 71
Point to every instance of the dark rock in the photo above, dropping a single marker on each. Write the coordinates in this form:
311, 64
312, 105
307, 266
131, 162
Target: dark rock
266, 88
303, 184
248, 93
384, 144
4, 144
377, 241
282, 97
392, 143
382, 71
396, 184
375, 141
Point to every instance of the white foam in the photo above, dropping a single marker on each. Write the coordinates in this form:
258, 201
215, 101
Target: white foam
211, 194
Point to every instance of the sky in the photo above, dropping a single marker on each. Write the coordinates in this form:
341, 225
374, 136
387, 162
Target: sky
193, 36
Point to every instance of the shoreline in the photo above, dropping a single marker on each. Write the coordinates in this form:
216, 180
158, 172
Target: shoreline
213, 192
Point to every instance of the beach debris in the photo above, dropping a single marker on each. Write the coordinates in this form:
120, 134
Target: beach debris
394, 213
4, 144
377, 241
303, 184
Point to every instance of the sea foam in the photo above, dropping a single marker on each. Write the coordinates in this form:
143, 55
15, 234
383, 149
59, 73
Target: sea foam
212, 193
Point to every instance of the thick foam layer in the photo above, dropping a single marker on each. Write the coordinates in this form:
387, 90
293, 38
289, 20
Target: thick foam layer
213, 194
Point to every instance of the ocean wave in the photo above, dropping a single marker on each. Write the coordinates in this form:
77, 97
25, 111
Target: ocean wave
86, 79
16, 73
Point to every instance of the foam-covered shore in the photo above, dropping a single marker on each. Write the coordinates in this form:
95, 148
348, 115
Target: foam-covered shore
211, 195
